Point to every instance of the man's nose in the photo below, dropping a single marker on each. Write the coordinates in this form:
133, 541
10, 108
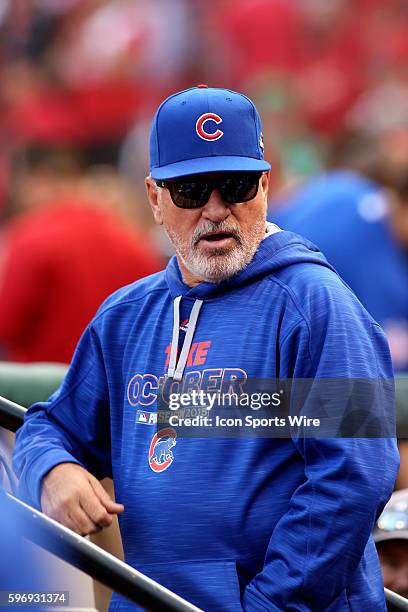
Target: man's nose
216, 209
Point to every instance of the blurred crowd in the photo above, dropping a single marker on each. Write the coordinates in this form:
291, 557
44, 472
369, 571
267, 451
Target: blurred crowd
89, 75
79, 83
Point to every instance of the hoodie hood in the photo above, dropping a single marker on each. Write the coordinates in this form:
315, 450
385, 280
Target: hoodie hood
276, 251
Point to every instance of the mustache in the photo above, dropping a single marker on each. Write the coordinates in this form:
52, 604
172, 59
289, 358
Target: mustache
211, 226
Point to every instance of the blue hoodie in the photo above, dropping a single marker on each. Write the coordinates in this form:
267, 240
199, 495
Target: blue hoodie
229, 524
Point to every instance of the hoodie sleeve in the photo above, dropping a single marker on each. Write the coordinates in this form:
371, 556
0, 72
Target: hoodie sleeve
316, 546
72, 426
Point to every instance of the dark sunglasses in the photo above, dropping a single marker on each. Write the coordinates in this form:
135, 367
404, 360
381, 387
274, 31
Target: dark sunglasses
195, 191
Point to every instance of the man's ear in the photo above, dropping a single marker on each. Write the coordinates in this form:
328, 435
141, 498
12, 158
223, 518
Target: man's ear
265, 184
153, 195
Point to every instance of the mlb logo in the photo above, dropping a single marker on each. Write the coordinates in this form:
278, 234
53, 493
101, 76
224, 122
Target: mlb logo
146, 418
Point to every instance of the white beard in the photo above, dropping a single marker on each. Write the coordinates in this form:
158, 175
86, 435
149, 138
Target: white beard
223, 263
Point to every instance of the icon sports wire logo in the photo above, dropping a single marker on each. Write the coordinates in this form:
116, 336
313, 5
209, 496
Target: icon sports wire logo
160, 454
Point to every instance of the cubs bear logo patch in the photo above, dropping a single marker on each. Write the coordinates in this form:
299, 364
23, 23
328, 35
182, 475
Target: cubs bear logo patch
160, 454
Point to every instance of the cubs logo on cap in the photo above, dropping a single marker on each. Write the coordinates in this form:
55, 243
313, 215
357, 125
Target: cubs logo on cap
206, 129
200, 126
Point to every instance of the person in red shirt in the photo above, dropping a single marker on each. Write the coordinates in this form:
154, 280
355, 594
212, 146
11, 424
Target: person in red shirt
62, 259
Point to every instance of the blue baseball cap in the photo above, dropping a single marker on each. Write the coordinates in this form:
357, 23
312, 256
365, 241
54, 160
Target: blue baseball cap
206, 129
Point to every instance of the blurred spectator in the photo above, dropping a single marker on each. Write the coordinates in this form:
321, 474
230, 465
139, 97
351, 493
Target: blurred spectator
334, 60
315, 43
64, 255
252, 37
402, 480
101, 39
117, 193
328, 59
359, 227
362, 228
312, 66
401, 389
391, 538
87, 70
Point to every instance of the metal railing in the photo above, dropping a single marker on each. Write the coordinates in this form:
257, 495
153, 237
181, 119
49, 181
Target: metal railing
95, 561
11, 414
80, 552
395, 602
100, 564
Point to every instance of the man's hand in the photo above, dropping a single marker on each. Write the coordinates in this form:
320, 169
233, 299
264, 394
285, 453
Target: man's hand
75, 498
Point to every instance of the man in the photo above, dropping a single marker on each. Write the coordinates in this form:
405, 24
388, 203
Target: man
252, 523
391, 538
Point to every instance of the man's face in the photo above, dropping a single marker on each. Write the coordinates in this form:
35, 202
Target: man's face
216, 241
394, 565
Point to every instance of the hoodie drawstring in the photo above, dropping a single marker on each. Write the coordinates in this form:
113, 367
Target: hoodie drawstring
176, 368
